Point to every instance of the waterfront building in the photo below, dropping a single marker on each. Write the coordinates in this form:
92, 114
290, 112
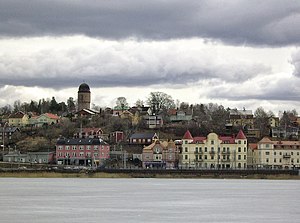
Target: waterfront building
30, 157
82, 151
213, 151
278, 154
160, 155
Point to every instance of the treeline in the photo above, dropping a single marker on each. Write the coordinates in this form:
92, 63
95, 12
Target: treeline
40, 107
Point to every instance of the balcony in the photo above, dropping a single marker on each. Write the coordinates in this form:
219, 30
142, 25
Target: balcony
212, 152
198, 152
225, 161
286, 156
225, 152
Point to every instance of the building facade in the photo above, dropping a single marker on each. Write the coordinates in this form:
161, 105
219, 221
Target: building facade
160, 155
86, 152
278, 154
214, 152
30, 157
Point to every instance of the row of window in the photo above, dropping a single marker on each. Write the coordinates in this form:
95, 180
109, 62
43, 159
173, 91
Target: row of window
81, 154
279, 160
224, 157
213, 149
80, 147
280, 153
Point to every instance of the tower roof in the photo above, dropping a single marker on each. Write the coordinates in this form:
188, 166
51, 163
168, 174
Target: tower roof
188, 135
241, 135
84, 88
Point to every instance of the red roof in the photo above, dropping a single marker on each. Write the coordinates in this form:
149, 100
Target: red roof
52, 116
187, 135
227, 139
253, 146
241, 135
199, 139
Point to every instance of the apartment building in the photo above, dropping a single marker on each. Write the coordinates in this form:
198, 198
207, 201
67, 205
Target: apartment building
214, 152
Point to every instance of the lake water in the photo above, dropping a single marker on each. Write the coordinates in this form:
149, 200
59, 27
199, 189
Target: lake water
148, 200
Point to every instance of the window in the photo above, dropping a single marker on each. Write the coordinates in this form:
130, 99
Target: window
74, 147
205, 149
267, 153
205, 157
239, 157
81, 147
274, 160
245, 149
95, 147
274, 153
212, 157
212, 142
239, 142
186, 149
245, 157
67, 147
196, 149
239, 149
88, 147
245, 142
267, 160
186, 157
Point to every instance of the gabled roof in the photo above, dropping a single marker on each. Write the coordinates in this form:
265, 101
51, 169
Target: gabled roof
9, 129
18, 114
145, 135
188, 135
241, 135
51, 116
85, 141
265, 140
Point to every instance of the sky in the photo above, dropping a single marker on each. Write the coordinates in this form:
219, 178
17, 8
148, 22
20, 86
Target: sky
239, 54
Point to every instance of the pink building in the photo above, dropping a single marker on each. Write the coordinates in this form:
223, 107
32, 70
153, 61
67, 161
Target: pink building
82, 151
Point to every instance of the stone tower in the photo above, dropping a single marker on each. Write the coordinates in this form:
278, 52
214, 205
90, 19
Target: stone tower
84, 97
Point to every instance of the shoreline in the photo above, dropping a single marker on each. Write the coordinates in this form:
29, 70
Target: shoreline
126, 174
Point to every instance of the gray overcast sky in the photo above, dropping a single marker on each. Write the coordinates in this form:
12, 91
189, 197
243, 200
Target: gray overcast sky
235, 53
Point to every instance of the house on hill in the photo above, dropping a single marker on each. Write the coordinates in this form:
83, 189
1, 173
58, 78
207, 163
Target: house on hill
142, 138
46, 119
18, 119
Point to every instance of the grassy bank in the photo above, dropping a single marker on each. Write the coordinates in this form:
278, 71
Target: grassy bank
83, 174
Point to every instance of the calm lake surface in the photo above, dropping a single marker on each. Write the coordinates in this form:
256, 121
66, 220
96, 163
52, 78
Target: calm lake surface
148, 200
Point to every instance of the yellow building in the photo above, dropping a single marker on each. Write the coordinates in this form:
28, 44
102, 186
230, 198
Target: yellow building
241, 118
214, 152
278, 154
18, 119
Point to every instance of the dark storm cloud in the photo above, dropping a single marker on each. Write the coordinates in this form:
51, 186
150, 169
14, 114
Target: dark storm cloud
282, 89
273, 23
